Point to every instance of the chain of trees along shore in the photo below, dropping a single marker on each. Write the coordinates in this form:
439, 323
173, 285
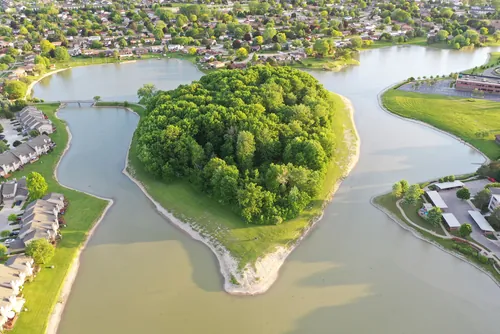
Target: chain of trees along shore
257, 140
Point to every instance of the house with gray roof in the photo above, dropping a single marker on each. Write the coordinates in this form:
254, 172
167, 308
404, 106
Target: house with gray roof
9, 163
32, 118
41, 219
28, 152
14, 190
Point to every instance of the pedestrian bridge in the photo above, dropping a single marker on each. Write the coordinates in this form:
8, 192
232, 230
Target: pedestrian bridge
79, 102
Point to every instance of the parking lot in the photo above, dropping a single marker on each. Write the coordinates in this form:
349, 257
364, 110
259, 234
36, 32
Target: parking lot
442, 87
4, 214
460, 209
10, 132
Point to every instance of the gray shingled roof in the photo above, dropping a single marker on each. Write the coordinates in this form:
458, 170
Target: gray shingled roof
8, 188
23, 149
39, 141
7, 158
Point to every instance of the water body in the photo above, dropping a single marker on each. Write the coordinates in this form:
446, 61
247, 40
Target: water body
357, 272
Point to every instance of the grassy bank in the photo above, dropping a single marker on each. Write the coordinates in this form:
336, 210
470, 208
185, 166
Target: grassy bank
388, 203
493, 60
463, 117
326, 63
42, 294
245, 242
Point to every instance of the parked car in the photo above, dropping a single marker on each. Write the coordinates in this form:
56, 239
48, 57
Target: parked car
14, 233
2, 136
9, 241
491, 179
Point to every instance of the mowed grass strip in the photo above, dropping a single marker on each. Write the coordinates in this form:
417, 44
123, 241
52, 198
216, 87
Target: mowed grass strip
463, 117
83, 211
245, 242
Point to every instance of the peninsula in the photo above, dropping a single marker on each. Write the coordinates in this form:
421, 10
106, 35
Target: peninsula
245, 161
461, 214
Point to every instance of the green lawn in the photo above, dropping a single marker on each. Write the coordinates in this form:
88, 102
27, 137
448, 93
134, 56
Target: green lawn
245, 242
493, 60
411, 212
326, 63
42, 294
463, 117
388, 203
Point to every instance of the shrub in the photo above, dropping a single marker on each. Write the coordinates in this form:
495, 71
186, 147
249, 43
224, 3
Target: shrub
5, 233
16, 143
483, 259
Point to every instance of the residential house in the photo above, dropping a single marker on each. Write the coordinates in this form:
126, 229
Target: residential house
13, 159
8, 163
40, 219
12, 277
34, 119
14, 190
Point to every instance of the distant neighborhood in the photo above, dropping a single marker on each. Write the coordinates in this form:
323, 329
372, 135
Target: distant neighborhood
36, 36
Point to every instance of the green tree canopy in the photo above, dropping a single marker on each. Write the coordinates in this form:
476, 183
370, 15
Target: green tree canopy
41, 250
258, 140
37, 186
463, 193
61, 53
465, 230
15, 89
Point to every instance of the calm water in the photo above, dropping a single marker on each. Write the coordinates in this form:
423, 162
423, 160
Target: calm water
358, 272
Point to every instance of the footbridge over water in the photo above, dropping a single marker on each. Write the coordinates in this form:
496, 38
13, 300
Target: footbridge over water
79, 102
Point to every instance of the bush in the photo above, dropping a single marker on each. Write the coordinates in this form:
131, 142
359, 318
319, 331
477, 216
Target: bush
5, 233
483, 259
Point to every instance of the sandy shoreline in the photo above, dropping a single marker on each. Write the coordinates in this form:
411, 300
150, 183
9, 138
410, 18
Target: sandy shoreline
56, 315
259, 278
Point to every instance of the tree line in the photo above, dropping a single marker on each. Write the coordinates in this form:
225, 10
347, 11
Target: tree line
257, 140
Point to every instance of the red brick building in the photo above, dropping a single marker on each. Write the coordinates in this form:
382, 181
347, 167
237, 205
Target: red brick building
466, 82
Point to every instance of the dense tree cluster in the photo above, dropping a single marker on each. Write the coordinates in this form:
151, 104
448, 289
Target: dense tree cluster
258, 140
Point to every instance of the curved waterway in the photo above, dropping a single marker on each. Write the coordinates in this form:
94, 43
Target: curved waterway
357, 272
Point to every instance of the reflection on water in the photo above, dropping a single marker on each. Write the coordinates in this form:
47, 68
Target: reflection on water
357, 272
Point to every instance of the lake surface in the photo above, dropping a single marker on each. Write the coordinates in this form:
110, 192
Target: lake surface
357, 272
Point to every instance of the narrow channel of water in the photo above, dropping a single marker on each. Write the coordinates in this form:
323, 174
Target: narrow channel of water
357, 272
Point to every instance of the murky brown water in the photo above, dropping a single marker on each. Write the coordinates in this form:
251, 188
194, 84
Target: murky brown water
358, 272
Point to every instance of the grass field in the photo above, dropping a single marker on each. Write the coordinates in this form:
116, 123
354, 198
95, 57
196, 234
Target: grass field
463, 117
245, 242
388, 203
83, 211
326, 63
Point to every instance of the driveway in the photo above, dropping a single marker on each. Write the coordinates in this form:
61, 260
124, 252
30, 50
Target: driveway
10, 133
460, 209
476, 186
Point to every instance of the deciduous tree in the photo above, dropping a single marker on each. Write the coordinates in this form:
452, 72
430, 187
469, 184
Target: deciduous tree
41, 250
37, 186
463, 193
465, 230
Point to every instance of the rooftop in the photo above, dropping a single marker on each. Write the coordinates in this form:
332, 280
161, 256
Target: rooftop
480, 221
451, 220
437, 199
449, 185
478, 78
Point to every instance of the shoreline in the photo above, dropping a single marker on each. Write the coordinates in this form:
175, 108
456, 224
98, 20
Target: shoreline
381, 105
65, 289
256, 279
32, 84
418, 235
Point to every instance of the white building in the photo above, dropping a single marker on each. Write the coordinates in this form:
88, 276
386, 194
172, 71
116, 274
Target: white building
494, 202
